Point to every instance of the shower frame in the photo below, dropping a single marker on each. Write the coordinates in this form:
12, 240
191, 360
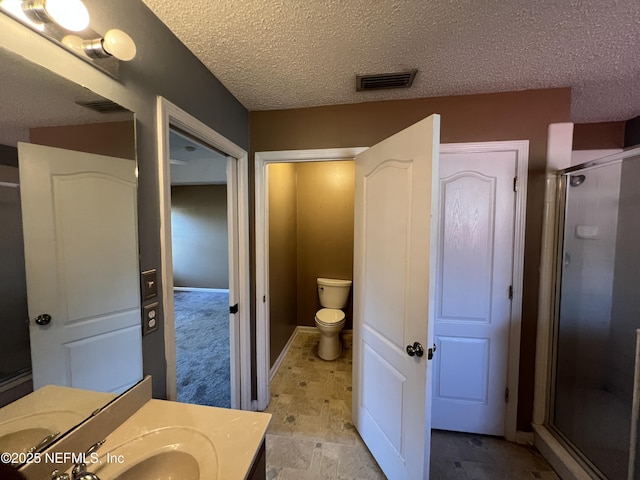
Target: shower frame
557, 450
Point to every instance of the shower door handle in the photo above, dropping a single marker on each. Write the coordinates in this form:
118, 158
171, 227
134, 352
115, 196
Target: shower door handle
44, 319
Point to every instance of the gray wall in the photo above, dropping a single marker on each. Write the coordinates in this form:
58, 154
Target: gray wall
200, 241
163, 67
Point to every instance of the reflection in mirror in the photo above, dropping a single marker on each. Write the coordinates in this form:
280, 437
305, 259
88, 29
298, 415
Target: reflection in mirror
69, 290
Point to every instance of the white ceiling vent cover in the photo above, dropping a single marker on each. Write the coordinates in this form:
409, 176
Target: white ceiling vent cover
381, 81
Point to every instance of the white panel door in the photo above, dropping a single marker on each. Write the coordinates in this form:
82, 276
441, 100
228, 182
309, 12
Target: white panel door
395, 194
473, 306
81, 250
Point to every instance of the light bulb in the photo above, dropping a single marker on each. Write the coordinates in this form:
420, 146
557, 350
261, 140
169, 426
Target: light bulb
119, 44
69, 14
14, 7
75, 43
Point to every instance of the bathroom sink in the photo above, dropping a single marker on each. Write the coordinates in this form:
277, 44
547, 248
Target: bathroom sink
22, 440
23, 433
164, 466
170, 453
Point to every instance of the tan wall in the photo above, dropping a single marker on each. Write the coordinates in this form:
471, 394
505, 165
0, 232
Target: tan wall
596, 136
325, 231
283, 250
114, 139
310, 236
199, 235
471, 118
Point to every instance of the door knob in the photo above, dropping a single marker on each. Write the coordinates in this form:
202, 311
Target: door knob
415, 349
44, 319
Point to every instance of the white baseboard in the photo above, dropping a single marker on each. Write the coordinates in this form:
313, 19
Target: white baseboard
306, 329
198, 289
524, 438
283, 353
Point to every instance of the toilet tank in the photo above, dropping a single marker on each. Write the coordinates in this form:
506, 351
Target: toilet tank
333, 292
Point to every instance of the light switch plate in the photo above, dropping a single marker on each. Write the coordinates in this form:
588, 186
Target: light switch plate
149, 284
150, 318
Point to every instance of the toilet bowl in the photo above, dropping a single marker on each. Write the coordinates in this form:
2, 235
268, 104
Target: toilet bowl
333, 295
330, 322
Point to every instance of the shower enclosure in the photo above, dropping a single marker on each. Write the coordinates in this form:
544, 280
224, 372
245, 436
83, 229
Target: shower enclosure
597, 313
15, 356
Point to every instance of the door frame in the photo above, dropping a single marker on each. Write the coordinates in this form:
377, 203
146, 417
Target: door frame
261, 209
169, 115
521, 149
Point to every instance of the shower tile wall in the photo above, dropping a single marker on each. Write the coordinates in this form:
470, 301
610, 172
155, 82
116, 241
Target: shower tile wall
587, 284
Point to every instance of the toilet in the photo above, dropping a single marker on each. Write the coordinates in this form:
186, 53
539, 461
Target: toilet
334, 295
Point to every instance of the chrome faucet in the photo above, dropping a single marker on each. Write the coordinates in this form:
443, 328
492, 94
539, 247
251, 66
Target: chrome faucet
45, 441
79, 471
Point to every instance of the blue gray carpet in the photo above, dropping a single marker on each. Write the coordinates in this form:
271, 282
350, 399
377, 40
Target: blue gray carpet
202, 348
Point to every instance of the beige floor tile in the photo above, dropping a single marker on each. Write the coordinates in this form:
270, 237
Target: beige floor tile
286, 452
312, 436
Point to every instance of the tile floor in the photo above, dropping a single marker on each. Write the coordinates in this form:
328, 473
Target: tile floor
311, 435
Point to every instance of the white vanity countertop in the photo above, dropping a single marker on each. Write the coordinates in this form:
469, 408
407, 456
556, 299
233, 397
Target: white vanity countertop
51, 398
63, 406
235, 434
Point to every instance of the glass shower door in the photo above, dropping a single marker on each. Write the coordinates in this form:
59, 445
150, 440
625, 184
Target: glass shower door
598, 314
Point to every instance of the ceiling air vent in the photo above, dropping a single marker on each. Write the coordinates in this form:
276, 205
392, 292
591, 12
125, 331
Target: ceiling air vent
385, 80
102, 106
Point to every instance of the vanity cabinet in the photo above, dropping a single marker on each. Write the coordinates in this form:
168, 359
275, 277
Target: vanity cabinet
259, 467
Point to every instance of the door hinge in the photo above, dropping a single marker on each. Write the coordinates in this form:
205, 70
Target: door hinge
506, 395
510, 292
264, 299
515, 184
233, 309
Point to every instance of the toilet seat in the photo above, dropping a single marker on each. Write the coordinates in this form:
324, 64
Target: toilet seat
329, 316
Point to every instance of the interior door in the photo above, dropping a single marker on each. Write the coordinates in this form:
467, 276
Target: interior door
81, 251
395, 197
473, 304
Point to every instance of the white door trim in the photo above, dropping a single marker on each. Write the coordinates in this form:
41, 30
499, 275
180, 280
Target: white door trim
521, 149
261, 209
169, 114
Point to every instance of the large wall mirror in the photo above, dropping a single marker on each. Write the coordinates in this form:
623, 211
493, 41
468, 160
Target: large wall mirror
69, 262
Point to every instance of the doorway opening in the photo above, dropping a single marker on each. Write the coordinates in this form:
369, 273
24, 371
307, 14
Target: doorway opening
200, 253
205, 262
268, 361
266, 364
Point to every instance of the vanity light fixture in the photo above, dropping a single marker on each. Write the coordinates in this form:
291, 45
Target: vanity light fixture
72, 15
67, 23
115, 43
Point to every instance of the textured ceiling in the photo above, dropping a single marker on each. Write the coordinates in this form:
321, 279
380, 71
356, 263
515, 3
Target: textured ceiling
32, 96
277, 54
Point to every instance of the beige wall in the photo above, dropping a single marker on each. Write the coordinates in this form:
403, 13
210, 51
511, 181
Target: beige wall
199, 232
310, 236
114, 139
597, 136
521, 115
283, 251
325, 231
